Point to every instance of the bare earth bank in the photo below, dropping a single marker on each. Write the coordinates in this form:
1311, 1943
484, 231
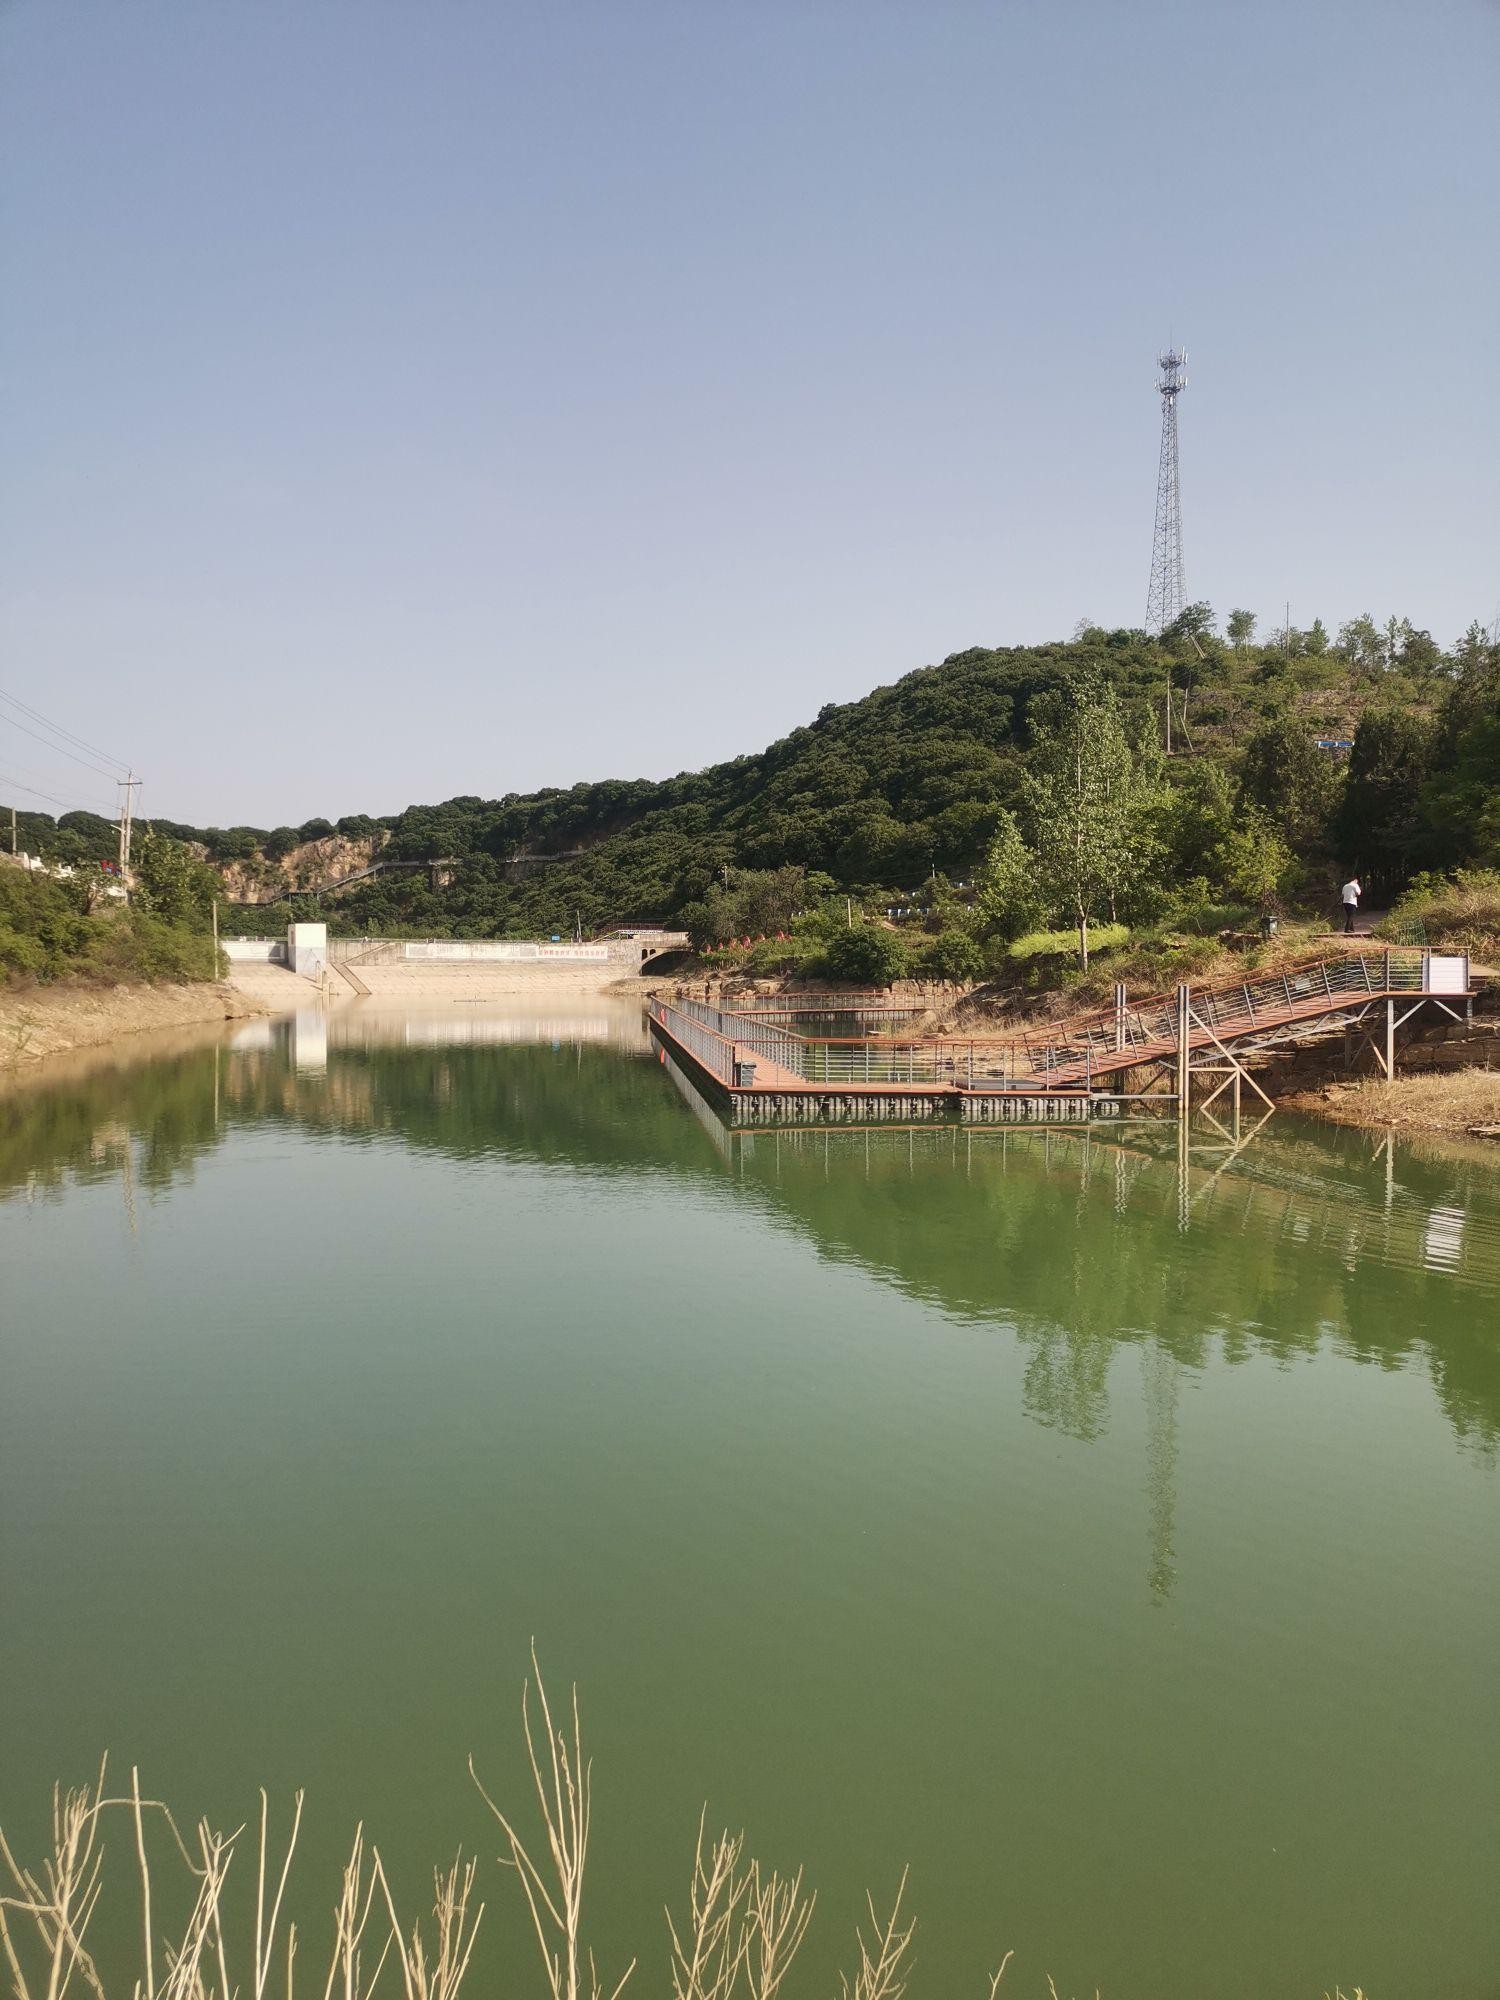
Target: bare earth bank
1454, 1100
46, 1021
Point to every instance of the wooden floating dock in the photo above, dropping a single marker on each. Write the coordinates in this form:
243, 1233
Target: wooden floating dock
752, 1090
759, 1070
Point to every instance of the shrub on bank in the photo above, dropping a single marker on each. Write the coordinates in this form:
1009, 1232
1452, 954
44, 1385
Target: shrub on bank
48, 932
954, 957
866, 955
1064, 944
1460, 912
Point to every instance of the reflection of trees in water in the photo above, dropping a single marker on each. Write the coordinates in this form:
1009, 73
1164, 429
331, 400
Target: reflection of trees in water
1077, 1246
1071, 1239
152, 1121
1067, 1378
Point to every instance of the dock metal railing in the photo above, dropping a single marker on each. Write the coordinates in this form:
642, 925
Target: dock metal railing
706, 1044
1067, 1056
995, 1062
1248, 1005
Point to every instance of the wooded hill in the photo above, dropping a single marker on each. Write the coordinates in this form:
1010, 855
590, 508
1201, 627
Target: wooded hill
875, 797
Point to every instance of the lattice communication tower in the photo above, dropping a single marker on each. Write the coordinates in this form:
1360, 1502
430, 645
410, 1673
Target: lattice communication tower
1167, 597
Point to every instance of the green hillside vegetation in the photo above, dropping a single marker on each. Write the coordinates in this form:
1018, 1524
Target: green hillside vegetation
1015, 799
69, 928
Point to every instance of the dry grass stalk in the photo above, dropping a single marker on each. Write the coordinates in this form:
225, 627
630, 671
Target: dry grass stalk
884, 1966
265, 1932
555, 1899
456, 1932
59, 1901
183, 1976
350, 1916
706, 1964
745, 1924
779, 1915
46, 1912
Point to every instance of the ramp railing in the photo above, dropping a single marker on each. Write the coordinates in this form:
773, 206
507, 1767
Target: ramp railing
1069, 1054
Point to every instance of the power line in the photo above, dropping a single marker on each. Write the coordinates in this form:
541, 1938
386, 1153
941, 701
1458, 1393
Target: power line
59, 750
58, 730
51, 797
22, 776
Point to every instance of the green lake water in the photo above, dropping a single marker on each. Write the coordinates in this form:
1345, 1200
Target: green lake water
1112, 1537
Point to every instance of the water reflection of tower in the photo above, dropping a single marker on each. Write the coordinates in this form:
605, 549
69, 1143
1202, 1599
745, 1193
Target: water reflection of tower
1159, 1378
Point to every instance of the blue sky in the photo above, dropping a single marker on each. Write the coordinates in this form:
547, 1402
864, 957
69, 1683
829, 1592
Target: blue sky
404, 400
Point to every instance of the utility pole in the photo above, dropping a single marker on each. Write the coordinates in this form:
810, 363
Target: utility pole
216, 938
1169, 707
129, 786
14, 844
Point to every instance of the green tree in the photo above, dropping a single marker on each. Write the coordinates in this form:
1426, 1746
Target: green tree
1288, 778
173, 884
766, 900
1362, 643
1460, 802
868, 955
1378, 824
1240, 626
1417, 652
1254, 863
1195, 815
232, 843
1083, 801
954, 957
1010, 899
1195, 621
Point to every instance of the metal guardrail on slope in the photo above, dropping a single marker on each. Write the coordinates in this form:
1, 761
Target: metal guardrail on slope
1250, 1006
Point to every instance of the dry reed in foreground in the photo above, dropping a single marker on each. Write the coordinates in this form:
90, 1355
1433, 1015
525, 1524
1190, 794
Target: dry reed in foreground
739, 1935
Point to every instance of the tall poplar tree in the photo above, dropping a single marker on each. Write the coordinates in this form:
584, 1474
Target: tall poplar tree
1083, 798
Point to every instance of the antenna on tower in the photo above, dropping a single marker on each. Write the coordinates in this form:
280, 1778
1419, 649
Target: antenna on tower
1166, 599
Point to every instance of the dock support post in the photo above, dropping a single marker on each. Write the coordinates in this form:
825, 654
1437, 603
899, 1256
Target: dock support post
1119, 1014
1184, 1071
1390, 1038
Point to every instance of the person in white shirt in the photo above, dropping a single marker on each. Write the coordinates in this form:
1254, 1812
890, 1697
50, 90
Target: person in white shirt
1351, 893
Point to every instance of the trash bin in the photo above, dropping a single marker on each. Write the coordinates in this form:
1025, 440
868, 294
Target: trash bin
1268, 926
744, 1074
